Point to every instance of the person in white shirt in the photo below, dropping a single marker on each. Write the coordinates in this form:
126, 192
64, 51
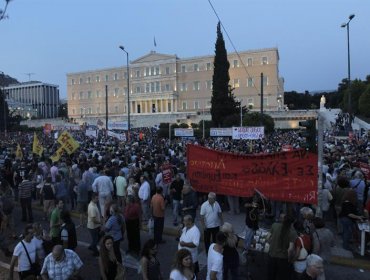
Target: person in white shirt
20, 255
94, 223
121, 185
189, 240
104, 187
211, 219
144, 195
215, 258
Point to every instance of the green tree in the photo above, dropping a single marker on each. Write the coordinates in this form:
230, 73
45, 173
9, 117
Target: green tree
223, 101
254, 119
364, 103
63, 110
357, 88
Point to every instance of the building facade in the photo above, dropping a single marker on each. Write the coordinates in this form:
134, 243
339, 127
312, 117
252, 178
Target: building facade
165, 85
33, 99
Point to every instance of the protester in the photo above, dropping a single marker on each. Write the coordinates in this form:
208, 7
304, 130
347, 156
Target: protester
158, 210
25, 252
348, 216
315, 268
182, 268
48, 194
281, 249
215, 258
108, 264
211, 219
104, 187
68, 233
302, 247
323, 240
55, 223
251, 222
82, 198
115, 227
61, 264
132, 217
121, 184
94, 223
230, 253
176, 191
189, 202
144, 196
190, 239
25, 195
150, 266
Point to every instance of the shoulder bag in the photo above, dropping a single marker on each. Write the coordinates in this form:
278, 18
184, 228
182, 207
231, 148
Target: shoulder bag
35, 267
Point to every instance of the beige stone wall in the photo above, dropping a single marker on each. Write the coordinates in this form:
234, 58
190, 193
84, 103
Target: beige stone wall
165, 84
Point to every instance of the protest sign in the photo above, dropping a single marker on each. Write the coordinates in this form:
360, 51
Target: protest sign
286, 176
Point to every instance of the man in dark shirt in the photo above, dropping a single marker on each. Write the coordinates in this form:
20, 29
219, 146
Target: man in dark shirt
176, 190
25, 196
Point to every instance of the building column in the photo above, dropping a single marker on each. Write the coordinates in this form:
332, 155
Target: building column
161, 103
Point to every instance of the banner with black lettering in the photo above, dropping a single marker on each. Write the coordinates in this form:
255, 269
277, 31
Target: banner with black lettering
285, 176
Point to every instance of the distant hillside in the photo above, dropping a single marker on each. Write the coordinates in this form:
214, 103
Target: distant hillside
6, 80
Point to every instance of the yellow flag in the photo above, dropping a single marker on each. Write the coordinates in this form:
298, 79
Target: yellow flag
57, 155
37, 147
18, 152
68, 142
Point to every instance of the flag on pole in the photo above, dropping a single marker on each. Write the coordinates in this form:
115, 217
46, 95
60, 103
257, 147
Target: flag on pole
18, 152
155, 43
36, 146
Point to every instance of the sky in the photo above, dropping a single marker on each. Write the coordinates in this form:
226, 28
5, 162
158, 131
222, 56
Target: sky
51, 38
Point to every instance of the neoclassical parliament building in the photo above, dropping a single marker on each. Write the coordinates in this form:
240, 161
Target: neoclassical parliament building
166, 88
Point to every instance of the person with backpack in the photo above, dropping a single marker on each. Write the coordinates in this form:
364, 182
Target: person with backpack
68, 233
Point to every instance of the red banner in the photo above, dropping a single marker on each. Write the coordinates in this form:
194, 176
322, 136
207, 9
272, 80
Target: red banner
286, 176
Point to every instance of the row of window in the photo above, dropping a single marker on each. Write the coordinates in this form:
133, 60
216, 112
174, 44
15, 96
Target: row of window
155, 70
154, 87
184, 106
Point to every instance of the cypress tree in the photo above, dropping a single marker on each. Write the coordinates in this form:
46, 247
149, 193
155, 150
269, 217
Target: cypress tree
223, 102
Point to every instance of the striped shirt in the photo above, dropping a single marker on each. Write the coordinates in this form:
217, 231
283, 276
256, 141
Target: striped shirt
25, 189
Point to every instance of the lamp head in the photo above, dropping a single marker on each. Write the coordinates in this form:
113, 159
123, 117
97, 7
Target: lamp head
343, 25
351, 16
121, 47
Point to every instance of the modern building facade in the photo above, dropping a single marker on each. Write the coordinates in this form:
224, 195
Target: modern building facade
33, 99
165, 85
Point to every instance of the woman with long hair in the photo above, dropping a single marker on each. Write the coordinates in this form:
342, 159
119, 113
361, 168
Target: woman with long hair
281, 248
183, 268
230, 253
150, 266
110, 268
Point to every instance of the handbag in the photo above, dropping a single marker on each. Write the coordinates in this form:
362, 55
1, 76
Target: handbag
303, 252
35, 267
120, 272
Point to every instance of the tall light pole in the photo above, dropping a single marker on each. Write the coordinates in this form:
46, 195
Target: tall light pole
349, 62
241, 112
128, 94
4, 106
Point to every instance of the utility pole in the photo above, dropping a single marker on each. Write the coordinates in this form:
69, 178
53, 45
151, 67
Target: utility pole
261, 120
106, 109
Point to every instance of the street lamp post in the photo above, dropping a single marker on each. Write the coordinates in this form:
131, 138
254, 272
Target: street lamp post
128, 94
241, 112
349, 62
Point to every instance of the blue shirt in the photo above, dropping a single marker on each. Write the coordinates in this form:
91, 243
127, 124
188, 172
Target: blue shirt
113, 227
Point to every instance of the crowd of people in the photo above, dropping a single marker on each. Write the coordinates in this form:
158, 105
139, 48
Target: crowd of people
119, 188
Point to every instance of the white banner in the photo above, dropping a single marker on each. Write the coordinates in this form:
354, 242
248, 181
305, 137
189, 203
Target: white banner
184, 132
252, 132
221, 132
91, 133
117, 125
119, 136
